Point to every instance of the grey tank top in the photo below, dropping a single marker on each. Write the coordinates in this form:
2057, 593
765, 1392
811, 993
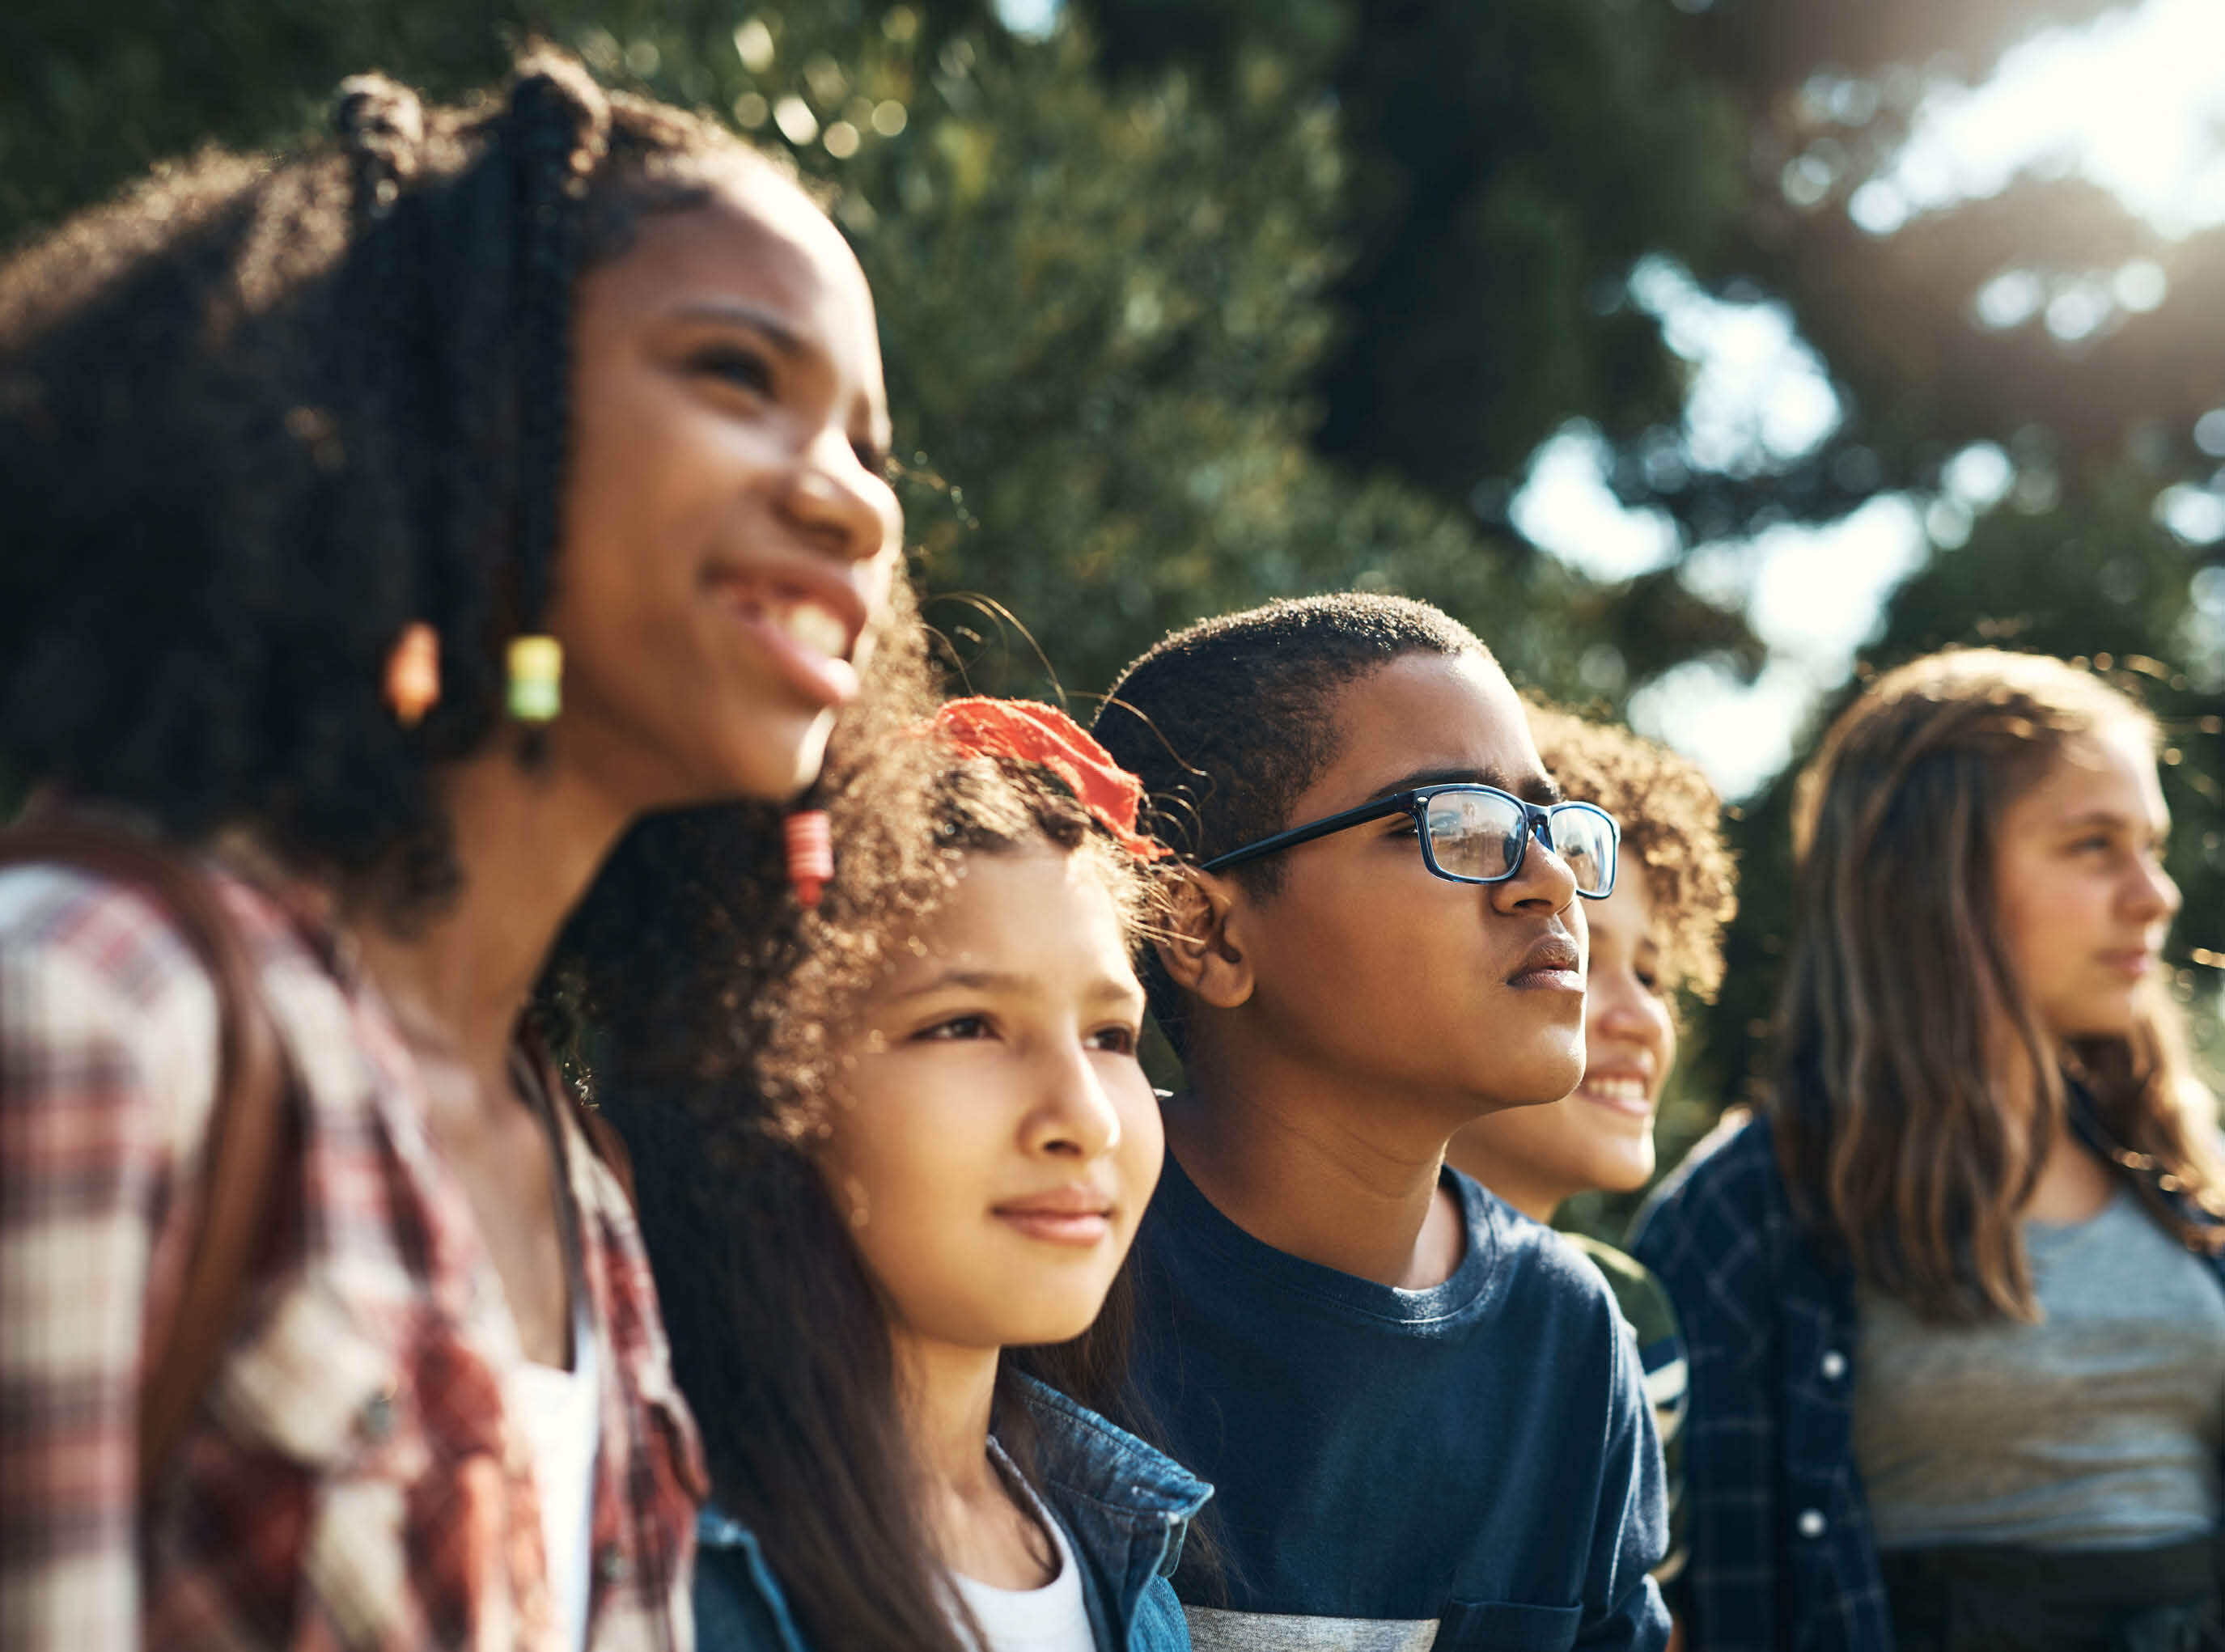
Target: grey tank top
2098, 1428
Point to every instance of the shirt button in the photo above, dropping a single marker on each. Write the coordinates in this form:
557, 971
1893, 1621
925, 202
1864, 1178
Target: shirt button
1835, 1365
1812, 1523
375, 1420
612, 1565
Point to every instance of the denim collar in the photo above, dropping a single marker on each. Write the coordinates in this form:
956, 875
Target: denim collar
1086, 1462
1086, 1457
1125, 1506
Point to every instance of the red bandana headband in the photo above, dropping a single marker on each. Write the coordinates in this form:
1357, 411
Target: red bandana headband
1034, 733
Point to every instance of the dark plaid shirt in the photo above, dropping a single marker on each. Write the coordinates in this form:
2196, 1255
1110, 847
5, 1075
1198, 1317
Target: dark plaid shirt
1782, 1558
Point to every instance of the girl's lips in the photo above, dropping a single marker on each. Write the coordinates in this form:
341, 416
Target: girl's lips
1618, 1094
823, 679
2133, 964
1081, 1228
1074, 1214
1548, 980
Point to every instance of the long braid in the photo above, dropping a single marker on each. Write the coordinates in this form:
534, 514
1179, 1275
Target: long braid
380, 125
384, 363
287, 407
557, 133
475, 519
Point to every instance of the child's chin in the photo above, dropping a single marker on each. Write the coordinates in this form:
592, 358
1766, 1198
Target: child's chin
1027, 1324
1554, 1080
1623, 1176
1551, 1073
1044, 1333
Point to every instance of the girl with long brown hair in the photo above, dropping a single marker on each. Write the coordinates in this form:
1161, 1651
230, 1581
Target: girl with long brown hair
885, 1216
1953, 1298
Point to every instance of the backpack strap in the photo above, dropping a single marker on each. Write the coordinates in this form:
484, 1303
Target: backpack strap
247, 1118
245, 1121
540, 1064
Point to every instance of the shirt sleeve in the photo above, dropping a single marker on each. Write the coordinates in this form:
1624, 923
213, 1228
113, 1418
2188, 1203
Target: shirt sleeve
1668, 1372
1707, 1249
1622, 1603
94, 1026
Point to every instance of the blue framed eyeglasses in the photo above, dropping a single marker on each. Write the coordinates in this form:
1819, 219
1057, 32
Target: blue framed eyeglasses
1473, 834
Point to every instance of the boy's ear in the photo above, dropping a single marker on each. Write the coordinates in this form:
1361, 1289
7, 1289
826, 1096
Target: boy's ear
1200, 948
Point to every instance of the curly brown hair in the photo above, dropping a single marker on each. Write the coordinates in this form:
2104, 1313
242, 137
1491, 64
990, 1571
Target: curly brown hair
1671, 823
742, 990
719, 1060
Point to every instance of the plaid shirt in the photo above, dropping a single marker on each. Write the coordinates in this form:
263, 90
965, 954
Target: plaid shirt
1783, 1556
1781, 1559
351, 1478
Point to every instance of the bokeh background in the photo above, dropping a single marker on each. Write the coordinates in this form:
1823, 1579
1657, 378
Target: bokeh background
1706, 356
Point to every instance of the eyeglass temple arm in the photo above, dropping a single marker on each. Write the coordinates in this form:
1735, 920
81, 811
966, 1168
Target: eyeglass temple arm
1400, 802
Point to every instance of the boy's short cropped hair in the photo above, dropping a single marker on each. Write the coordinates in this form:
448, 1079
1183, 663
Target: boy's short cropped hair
1671, 823
1224, 723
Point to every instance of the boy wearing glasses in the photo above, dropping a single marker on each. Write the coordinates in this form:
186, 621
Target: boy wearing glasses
1423, 1416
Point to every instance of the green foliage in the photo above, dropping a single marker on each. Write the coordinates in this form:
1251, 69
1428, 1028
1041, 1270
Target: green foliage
1827, 93
1517, 160
1509, 163
1137, 279
1103, 304
92, 95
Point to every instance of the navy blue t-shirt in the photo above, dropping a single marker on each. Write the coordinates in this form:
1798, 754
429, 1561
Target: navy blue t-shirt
1468, 1466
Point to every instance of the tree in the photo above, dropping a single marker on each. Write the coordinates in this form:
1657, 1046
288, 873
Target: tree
1189, 306
92, 95
1557, 144
1103, 305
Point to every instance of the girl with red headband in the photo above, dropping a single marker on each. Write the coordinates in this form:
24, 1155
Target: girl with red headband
883, 1268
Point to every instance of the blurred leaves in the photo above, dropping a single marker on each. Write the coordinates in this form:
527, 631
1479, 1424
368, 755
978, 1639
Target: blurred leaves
92, 95
1187, 305
1513, 165
1105, 299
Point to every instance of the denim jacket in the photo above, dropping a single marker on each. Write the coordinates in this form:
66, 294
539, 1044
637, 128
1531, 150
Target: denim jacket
1125, 1508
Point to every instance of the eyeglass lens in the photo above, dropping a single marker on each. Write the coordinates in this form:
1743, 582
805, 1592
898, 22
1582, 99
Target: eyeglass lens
1473, 834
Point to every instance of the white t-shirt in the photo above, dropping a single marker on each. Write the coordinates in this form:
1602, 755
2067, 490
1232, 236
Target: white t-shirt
560, 1413
1050, 1619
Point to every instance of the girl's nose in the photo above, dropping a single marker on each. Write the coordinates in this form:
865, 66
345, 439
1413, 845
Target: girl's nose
841, 505
1074, 1116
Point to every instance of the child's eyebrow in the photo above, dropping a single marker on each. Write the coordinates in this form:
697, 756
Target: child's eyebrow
784, 337
1111, 990
1531, 788
968, 981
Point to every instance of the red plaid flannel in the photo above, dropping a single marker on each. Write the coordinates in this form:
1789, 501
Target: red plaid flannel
351, 1478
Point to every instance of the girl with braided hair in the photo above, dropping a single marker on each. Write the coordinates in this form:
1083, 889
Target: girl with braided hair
392, 527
